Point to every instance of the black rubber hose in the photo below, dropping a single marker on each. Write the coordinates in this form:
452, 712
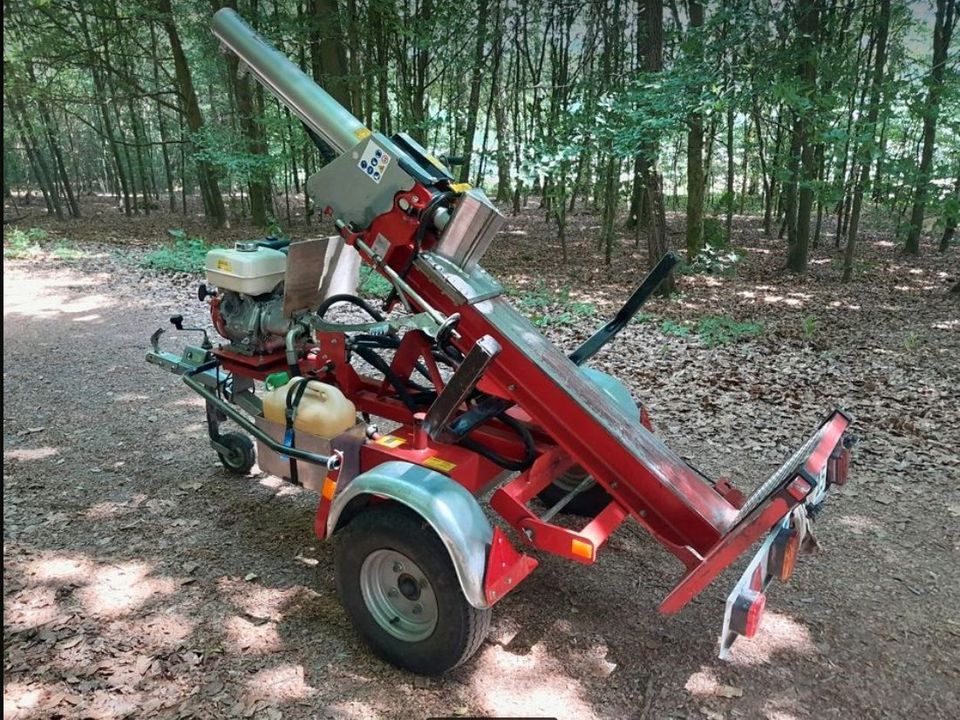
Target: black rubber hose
353, 300
529, 456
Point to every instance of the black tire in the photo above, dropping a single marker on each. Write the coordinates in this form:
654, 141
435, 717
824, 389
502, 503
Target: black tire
241, 455
460, 628
588, 503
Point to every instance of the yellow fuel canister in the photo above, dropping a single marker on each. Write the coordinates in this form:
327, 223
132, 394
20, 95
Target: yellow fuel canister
323, 410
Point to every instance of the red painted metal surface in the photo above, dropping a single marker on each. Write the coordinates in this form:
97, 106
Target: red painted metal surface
506, 568
573, 423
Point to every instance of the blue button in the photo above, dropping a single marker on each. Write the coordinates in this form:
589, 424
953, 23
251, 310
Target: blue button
363, 164
374, 162
369, 171
378, 153
376, 176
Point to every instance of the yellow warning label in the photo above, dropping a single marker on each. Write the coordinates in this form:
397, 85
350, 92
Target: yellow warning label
225, 265
460, 187
439, 464
362, 133
391, 441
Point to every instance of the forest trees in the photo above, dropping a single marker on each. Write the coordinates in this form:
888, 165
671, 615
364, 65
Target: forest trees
815, 115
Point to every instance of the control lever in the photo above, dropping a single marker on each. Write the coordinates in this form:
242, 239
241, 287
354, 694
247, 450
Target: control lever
177, 322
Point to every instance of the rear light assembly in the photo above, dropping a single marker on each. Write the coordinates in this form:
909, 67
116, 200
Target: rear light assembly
783, 554
747, 611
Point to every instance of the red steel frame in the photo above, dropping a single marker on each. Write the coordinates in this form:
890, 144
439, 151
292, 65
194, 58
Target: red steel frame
696, 521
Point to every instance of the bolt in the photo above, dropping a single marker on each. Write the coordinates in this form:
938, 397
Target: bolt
509, 581
529, 533
393, 592
417, 609
404, 205
398, 567
511, 388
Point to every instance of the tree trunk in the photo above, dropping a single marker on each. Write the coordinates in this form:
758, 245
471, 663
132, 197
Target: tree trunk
695, 149
953, 215
473, 105
657, 243
865, 152
808, 26
209, 187
943, 28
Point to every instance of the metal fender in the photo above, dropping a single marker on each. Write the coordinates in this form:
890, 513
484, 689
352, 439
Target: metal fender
615, 389
450, 510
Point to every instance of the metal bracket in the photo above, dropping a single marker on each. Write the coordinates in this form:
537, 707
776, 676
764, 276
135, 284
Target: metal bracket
460, 385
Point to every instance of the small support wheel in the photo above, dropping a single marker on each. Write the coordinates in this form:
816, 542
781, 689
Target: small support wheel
399, 587
240, 456
587, 503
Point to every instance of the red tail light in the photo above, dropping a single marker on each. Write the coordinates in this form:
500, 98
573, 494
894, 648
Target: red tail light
838, 466
783, 554
746, 612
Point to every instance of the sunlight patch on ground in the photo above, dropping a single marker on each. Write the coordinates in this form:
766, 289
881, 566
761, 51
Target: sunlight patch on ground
844, 305
778, 634
158, 632
26, 454
256, 600
703, 683
59, 569
30, 608
244, 636
122, 588
508, 684
947, 325
283, 683
858, 524
30, 303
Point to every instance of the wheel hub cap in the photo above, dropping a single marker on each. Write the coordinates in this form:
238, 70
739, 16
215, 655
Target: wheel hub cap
398, 595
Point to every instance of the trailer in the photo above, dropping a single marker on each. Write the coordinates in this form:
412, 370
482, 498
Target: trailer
473, 402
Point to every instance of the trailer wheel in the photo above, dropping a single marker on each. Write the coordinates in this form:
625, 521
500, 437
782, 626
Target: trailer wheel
400, 590
240, 456
587, 503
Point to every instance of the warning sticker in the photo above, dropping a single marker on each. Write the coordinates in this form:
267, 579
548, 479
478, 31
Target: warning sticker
439, 464
374, 161
223, 264
362, 133
391, 441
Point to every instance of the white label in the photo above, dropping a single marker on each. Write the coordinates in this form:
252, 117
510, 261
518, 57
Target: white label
374, 161
381, 245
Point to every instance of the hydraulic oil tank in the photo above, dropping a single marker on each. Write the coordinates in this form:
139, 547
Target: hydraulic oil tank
323, 410
248, 268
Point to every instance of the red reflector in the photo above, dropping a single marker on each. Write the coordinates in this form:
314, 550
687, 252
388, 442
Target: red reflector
746, 612
783, 554
838, 466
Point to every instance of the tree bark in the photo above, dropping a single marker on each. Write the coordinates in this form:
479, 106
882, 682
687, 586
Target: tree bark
209, 187
865, 152
808, 27
695, 149
943, 28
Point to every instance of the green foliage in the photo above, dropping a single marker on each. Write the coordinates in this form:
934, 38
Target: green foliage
810, 324
713, 330
68, 253
546, 307
912, 342
188, 254
24, 244
373, 284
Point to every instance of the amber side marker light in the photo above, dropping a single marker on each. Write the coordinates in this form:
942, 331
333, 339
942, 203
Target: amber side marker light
783, 554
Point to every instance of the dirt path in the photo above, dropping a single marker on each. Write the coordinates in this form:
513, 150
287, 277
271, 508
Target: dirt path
141, 580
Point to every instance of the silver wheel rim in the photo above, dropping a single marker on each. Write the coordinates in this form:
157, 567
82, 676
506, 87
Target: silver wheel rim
398, 595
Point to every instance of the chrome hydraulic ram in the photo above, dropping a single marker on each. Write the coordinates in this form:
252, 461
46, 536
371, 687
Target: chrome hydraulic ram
315, 107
